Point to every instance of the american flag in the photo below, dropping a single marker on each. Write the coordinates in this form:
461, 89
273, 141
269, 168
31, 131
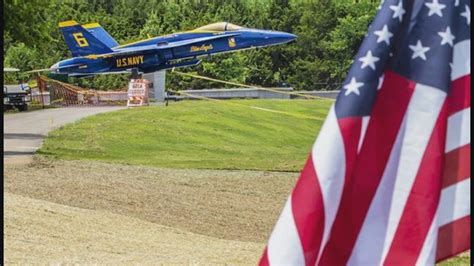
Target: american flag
388, 178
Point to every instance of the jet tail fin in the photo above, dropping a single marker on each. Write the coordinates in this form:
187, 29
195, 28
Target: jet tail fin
101, 34
80, 41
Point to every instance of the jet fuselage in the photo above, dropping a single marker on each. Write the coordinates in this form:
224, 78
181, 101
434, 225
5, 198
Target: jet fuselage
97, 55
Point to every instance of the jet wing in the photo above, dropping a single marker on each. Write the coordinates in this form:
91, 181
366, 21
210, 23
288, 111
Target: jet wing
163, 46
52, 68
99, 73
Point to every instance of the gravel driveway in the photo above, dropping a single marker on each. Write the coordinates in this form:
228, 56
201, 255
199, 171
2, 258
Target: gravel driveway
23, 133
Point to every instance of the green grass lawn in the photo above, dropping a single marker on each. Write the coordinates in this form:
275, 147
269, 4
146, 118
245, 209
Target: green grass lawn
463, 260
200, 134
197, 134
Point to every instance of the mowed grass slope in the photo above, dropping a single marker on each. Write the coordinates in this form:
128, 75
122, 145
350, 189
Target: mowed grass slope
197, 134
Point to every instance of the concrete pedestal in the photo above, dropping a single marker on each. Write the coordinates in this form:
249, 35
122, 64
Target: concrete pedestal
158, 80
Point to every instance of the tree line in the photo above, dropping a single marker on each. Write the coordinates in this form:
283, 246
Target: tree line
329, 34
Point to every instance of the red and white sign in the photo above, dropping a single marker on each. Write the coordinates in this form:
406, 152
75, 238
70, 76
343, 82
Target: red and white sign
138, 92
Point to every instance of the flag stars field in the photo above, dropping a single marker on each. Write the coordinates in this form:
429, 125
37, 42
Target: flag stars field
353, 87
419, 50
435, 8
383, 35
398, 11
368, 60
447, 37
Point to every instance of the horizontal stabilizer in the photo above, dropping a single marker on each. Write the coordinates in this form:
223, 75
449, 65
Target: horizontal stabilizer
10, 69
39, 70
52, 68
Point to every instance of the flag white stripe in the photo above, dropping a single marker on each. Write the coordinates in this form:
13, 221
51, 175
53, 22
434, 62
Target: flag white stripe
365, 123
328, 152
461, 59
284, 246
373, 231
422, 113
459, 130
455, 202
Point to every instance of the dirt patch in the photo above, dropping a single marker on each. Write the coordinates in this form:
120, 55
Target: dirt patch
235, 206
42, 232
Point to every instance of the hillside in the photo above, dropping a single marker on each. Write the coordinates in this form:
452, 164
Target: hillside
197, 134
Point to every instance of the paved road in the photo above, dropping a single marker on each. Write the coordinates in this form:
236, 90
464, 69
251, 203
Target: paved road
24, 132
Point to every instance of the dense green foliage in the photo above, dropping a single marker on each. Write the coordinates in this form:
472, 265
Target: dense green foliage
196, 134
329, 33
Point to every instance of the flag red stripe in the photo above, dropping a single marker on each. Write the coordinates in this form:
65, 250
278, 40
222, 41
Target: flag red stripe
460, 94
264, 260
308, 212
351, 130
359, 188
457, 165
422, 201
452, 238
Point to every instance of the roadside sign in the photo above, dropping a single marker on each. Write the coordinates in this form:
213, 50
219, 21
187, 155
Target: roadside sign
138, 92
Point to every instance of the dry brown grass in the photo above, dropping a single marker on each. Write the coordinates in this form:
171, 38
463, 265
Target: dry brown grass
98, 213
42, 232
70, 211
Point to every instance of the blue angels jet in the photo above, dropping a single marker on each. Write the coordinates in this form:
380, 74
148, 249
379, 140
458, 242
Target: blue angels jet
95, 52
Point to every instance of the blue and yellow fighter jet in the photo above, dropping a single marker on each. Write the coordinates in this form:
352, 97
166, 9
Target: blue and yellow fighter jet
95, 52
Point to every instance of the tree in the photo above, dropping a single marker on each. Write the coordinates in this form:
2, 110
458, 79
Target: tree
329, 34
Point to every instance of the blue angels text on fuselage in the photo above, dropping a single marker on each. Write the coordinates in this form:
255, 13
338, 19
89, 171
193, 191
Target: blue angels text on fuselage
94, 51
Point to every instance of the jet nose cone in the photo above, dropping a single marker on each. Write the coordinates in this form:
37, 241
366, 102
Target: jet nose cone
263, 38
284, 37
290, 37
55, 66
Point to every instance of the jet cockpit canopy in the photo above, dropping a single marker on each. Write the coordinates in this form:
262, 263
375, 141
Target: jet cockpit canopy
220, 26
